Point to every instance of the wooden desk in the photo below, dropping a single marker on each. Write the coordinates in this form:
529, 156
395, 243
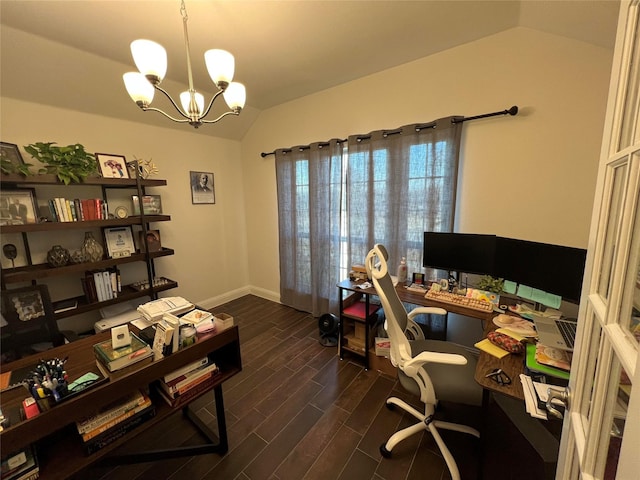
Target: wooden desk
62, 455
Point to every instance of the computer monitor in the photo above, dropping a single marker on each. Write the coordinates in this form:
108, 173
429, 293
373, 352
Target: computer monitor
460, 252
553, 268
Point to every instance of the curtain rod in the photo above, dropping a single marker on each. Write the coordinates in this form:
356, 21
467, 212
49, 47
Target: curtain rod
511, 111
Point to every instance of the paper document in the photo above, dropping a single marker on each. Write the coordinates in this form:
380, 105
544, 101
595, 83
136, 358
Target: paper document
155, 309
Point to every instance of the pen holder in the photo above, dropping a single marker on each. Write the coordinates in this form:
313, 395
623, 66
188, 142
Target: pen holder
47, 398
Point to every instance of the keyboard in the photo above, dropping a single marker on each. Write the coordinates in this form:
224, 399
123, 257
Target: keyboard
568, 331
454, 299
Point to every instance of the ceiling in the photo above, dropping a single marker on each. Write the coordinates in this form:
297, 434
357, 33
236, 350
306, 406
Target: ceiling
283, 49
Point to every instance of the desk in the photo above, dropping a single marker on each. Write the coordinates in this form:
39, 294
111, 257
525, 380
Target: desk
65, 456
353, 292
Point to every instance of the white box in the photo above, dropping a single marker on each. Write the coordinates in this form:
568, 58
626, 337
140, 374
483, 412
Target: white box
383, 347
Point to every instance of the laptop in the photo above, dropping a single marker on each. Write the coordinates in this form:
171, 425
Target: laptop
556, 332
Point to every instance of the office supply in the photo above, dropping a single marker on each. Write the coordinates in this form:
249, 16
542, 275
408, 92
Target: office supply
115, 359
455, 299
196, 316
486, 346
556, 332
155, 309
506, 342
451, 367
417, 288
30, 407
554, 357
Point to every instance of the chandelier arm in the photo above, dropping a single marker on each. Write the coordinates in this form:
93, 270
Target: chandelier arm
175, 105
231, 112
216, 95
153, 109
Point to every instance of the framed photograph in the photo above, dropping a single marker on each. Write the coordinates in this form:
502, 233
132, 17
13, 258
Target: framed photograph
119, 241
11, 152
202, 188
151, 204
112, 166
18, 207
153, 241
418, 278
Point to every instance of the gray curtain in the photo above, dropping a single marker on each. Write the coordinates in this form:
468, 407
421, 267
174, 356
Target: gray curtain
309, 205
400, 184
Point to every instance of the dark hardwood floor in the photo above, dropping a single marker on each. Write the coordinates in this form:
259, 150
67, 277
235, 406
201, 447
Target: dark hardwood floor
298, 412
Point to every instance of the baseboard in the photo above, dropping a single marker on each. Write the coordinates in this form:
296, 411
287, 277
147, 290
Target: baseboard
213, 302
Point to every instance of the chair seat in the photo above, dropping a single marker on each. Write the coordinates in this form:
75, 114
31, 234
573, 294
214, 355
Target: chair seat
446, 378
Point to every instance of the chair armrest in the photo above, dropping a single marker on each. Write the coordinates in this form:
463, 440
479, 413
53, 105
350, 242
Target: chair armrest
426, 310
411, 367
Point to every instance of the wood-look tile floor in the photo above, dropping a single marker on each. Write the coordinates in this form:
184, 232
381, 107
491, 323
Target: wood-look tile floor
296, 411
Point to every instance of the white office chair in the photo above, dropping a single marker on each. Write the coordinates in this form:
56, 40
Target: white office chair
424, 366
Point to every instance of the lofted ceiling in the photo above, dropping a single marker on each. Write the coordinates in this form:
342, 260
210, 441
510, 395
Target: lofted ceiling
72, 54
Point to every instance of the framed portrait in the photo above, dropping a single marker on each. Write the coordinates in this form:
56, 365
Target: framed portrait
119, 241
151, 204
202, 188
18, 207
11, 152
112, 166
153, 241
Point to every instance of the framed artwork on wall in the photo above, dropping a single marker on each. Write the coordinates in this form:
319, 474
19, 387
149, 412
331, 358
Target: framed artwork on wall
202, 188
112, 166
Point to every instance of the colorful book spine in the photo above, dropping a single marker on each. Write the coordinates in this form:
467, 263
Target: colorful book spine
110, 413
115, 421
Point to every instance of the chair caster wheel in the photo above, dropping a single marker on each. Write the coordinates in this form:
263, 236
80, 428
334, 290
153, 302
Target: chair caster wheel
384, 452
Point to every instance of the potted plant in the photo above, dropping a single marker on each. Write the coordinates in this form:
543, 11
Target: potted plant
70, 164
490, 284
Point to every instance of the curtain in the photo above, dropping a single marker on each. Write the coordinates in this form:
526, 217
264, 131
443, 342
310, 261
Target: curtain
400, 184
309, 204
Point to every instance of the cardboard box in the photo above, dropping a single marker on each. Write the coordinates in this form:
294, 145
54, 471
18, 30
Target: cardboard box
381, 364
382, 347
223, 320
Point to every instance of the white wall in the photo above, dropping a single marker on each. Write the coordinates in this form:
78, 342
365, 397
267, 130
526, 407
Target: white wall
210, 261
531, 176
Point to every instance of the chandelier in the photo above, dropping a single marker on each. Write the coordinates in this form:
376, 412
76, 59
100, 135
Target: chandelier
151, 60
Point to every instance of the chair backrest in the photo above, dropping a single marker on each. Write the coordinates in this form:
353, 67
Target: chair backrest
396, 314
30, 319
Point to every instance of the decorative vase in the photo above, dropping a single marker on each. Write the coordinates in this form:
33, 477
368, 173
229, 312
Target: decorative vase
78, 256
58, 256
91, 249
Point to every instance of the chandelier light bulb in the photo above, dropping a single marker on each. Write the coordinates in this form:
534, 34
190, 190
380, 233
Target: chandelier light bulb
150, 58
235, 95
185, 101
221, 66
139, 88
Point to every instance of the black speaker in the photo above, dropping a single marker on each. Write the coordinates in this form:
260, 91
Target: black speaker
328, 325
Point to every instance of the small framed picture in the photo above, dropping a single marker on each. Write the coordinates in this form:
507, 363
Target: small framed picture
418, 278
11, 152
151, 204
152, 241
119, 241
18, 207
112, 166
202, 188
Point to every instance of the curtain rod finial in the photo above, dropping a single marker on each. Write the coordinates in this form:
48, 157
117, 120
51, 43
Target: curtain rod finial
513, 110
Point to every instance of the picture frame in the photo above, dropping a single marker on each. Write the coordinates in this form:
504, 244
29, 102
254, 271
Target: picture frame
153, 241
112, 166
18, 206
151, 204
418, 278
11, 152
202, 188
119, 241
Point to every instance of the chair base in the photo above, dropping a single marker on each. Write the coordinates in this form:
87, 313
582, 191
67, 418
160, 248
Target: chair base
426, 423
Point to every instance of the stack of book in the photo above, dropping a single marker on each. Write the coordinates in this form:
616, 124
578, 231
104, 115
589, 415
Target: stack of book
181, 386
102, 285
114, 421
22, 465
111, 359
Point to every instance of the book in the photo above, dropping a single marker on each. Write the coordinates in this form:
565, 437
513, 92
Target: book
184, 382
110, 411
186, 369
119, 430
118, 358
116, 420
189, 395
125, 370
65, 305
553, 357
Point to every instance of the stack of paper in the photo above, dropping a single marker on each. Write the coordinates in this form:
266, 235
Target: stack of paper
196, 316
155, 309
536, 395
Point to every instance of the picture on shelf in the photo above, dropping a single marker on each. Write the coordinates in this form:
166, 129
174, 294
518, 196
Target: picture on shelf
18, 207
11, 152
202, 188
119, 241
151, 204
112, 166
153, 241
26, 305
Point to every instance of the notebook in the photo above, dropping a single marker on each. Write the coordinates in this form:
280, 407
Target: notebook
556, 332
